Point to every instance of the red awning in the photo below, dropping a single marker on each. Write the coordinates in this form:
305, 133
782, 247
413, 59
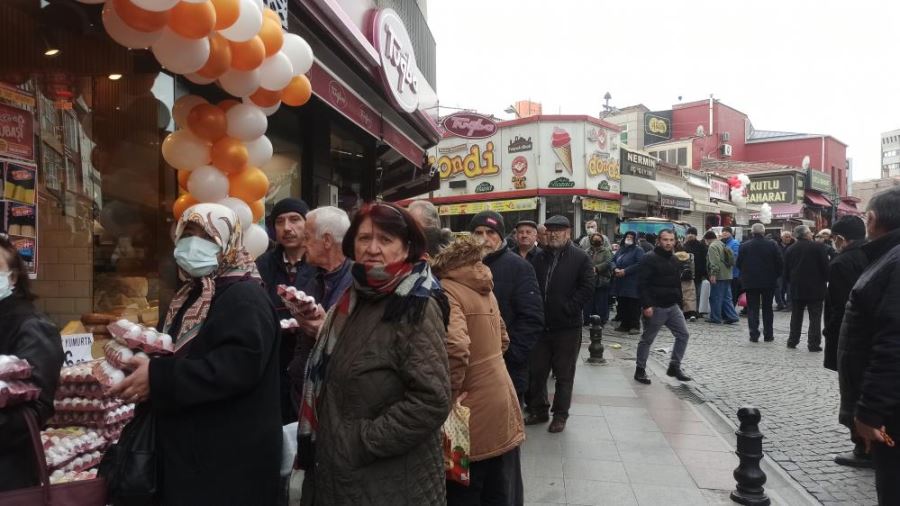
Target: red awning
817, 199
782, 211
848, 208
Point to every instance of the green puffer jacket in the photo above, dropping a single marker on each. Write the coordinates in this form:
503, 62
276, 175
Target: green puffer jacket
601, 258
715, 262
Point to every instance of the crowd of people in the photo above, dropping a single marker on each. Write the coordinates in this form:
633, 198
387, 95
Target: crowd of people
403, 322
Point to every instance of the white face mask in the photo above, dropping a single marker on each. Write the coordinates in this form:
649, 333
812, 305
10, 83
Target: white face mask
6, 286
629, 242
196, 256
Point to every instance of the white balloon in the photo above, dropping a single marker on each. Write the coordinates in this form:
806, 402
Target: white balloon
155, 5
195, 1
123, 34
241, 209
299, 52
268, 111
276, 72
182, 150
260, 151
179, 54
247, 25
198, 79
256, 240
182, 108
246, 122
240, 83
208, 184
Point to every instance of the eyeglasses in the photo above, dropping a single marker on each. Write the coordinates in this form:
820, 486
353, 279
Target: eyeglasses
557, 231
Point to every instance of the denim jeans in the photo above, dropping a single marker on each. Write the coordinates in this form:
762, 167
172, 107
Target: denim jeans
673, 319
720, 304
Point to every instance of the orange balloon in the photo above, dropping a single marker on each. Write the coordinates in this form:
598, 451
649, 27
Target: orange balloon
297, 92
248, 185
192, 21
272, 36
182, 203
230, 155
183, 176
227, 12
259, 209
265, 98
247, 55
219, 60
140, 19
208, 122
270, 14
228, 103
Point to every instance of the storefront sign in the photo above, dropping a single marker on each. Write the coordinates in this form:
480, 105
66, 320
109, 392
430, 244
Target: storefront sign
601, 206
484, 187
600, 165
561, 182
561, 143
657, 127
519, 168
398, 61
476, 163
598, 137
718, 189
819, 181
520, 145
16, 133
77, 348
498, 206
773, 189
469, 125
16, 96
675, 202
636, 164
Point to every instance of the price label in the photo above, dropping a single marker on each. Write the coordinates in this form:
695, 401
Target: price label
77, 348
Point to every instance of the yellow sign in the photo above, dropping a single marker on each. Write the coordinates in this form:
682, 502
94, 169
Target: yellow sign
601, 206
16, 96
475, 164
597, 166
498, 206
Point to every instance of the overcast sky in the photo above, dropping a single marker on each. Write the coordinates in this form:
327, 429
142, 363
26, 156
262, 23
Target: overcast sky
816, 66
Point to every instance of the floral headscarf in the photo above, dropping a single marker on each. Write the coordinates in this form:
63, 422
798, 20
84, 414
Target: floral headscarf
223, 226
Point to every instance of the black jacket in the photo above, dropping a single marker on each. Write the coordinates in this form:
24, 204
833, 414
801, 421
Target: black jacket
566, 278
659, 279
274, 272
698, 249
869, 342
26, 334
217, 407
760, 263
646, 246
843, 272
519, 297
806, 270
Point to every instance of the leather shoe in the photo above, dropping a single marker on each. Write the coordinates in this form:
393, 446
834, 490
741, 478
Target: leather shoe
768, 339
676, 372
754, 339
792, 346
640, 375
557, 425
815, 348
731, 322
853, 459
533, 419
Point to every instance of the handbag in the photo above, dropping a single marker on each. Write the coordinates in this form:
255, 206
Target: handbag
457, 444
76, 493
130, 466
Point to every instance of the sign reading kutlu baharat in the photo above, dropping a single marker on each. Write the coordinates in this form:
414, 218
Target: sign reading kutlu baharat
773, 189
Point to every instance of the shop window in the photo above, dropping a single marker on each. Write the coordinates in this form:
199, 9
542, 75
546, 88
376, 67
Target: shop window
682, 157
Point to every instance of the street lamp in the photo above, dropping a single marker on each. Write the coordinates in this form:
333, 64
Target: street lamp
512, 110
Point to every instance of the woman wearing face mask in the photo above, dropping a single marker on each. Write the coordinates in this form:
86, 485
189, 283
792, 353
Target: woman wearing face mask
216, 401
26, 334
601, 256
627, 261
377, 387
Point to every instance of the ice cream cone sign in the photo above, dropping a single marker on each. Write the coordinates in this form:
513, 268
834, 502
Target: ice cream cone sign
562, 146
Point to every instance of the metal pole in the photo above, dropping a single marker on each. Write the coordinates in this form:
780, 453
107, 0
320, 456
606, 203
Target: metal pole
749, 476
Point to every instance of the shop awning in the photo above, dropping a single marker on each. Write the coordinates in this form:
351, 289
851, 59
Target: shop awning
706, 207
847, 208
817, 199
782, 211
641, 186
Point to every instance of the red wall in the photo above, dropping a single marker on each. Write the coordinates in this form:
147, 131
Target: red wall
792, 153
686, 118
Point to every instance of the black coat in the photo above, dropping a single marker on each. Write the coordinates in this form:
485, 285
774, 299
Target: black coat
217, 407
659, 279
843, 272
566, 278
806, 270
760, 263
274, 272
519, 297
26, 334
698, 249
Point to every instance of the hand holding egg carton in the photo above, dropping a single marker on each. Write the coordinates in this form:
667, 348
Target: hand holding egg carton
301, 305
138, 337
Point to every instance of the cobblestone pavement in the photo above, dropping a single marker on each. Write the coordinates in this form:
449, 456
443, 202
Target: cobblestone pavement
798, 399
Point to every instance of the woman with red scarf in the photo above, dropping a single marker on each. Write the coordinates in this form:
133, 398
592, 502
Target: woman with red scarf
377, 384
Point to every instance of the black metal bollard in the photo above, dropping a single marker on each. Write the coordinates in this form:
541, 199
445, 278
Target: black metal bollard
596, 347
749, 476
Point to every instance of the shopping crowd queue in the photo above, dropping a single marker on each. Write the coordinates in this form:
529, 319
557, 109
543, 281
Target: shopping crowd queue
394, 364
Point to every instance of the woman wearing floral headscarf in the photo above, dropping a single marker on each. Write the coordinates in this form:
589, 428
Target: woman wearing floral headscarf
377, 385
216, 400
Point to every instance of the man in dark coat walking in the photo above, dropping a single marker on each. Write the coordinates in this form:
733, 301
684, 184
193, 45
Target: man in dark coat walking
659, 279
869, 346
850, 262
517, 293
759, 262
566, 277
698, 248
806, 271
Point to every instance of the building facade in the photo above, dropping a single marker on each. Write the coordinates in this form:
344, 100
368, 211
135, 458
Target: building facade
890, 154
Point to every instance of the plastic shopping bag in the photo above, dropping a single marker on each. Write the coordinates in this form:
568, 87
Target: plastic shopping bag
457, 444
